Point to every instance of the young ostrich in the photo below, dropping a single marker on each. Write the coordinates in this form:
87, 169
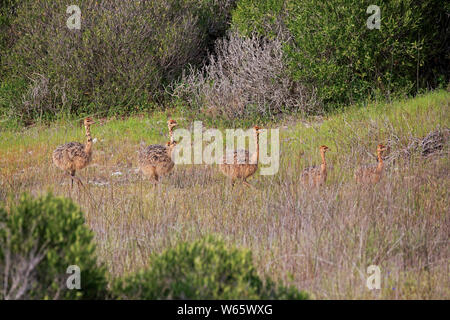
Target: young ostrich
74, 156
243, 165
372, 174
156, 160
316, 176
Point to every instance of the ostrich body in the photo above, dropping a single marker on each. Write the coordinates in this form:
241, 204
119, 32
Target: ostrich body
244, 165
372, 174
74, 156
156, 160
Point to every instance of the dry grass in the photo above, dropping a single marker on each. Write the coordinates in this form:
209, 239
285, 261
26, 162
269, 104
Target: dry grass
321, 241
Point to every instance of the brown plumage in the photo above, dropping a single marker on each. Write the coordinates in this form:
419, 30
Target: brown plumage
372, 174
156, 160
315, 176
243, 165
171, 124
74, 156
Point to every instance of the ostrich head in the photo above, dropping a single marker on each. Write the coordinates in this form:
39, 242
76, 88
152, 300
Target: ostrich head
381, 148
88, 121
171, 124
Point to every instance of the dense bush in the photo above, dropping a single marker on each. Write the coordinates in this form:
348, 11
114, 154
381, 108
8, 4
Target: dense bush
246, 76
128, 53
39, 240
332, 49
120, 59
203, 269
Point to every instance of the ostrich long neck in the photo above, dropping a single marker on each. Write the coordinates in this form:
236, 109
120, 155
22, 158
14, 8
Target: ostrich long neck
255, 156
323, 166
380, 162
171, 133
88, 146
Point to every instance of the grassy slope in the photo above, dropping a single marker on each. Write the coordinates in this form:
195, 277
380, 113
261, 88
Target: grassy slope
320, 241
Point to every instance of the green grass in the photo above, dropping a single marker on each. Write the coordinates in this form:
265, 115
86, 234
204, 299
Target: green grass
320, 241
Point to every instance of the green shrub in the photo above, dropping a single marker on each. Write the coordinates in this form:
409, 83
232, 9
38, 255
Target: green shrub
39, 240
10, 90
332, 50
203, 269
7, 11
118, 62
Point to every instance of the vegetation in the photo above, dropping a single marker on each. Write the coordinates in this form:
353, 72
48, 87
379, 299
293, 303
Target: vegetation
7, 9
41, 238
226, 58
321, 242
315, 71
246, 77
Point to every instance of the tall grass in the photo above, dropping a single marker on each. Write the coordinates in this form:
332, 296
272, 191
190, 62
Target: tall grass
321, 241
